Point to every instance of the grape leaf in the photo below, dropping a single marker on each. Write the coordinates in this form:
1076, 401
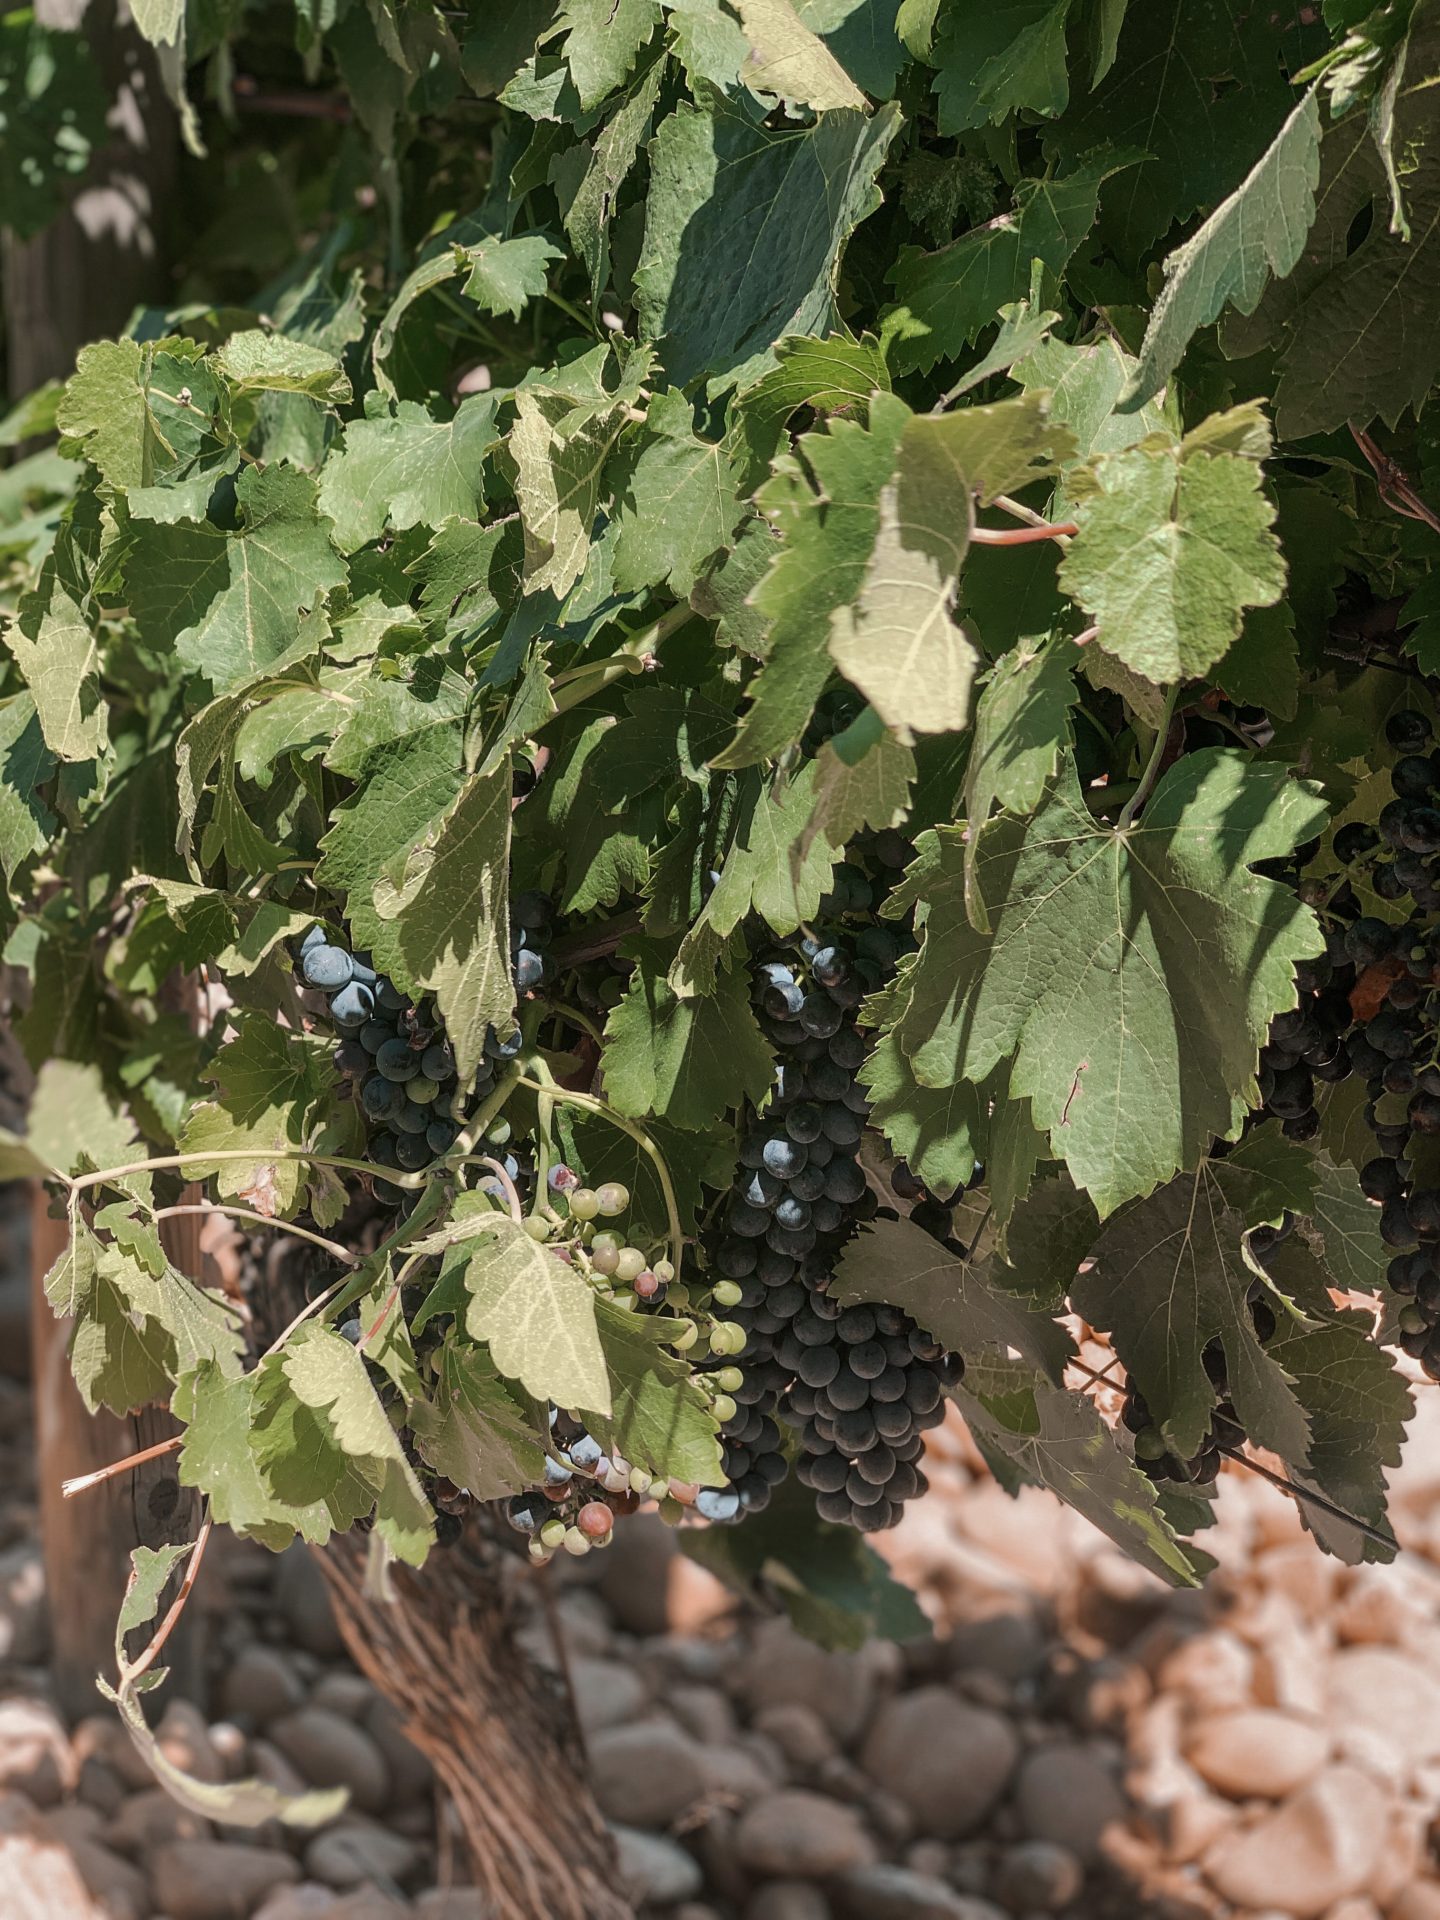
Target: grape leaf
537, 1315
1174, 543
1022, 723
744, 229
257, 362
789, 62
1166, 1277
230, 605
863, 778
1258, 231
687, 1061
588, 182
327, 1376
1056, 1439
999, 59
273, 1091
1344, 1227
1198, 86
473, 1430
952, 294
143, 413
657, 1418
218, 1458
603, 40
827, 376
502, 276
443, 928
26, 764
1083, 385
899, 643
402, 469
827, 540
678, 504
956, 1301
1119, 960
1363, 306
861, 34
59, 657
939, 1132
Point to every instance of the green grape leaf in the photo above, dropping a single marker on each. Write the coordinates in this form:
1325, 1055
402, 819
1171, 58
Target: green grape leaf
816, 570
863, 778
120, 1352
1344, 1228
145, 415
1055, 1438
899, 643
443, 929
59, 657
1358, 1404
474, 1430
1362, 305
1118, 960
1198, 87
328, 1378
657, 1416
963, 1304
951, 295
1259, 231
588, 182
231, 605
834, 376
537, 1314
259, 362
743, 232
603, 38
789, 62
687, 1061
833, 1585
1174, 543
75, 1123
403, 469
273, 1093
26, 765
1083, 387
560, 443
1166, 1277
998, 59
1022, 723
939, 1132
763, 872
678, 506
218, 1458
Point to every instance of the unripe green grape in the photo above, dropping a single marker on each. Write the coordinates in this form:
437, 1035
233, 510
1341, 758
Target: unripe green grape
604, 1253
422, 1090
1410, 1319
663, 1270
726, 1336
729, 1379
1150, 1444
553, 1533
723, 1408
660, 1489
575, 1542
679, 1297
631, 1264
537, 1228
541, 1555
685, 1335
497, 1134
671, 1512
728, 1293
640, 1481
613, 1198
584, 1204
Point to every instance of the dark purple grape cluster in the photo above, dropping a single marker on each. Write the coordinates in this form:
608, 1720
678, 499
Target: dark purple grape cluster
1306, 1045
860, 1384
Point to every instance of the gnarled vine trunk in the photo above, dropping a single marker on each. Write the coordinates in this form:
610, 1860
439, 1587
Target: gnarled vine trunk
498, 1729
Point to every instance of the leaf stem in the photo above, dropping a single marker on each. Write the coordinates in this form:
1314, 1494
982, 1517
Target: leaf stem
131, 1670
1023, 536
1152, 765
82, 1482
332, 1247
631, 656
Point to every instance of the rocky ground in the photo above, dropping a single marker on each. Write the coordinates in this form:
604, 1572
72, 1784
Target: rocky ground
1075, 1740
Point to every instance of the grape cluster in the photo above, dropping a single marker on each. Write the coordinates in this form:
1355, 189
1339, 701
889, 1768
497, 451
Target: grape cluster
1307, 1044
395, 1053
860, 1383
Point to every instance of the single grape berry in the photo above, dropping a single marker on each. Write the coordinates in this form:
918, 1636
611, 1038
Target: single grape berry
612, 1198
327, 967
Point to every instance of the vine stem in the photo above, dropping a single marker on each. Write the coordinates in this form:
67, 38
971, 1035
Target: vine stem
1152, 765
82, 1482
169, 1162
1023, 536
631, 656
568, 1097
332, 1247
132, 1669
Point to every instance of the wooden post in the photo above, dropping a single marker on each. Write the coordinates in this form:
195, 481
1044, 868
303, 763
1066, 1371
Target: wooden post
87, 1541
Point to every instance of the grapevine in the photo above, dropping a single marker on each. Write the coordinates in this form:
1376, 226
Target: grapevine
759, 751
